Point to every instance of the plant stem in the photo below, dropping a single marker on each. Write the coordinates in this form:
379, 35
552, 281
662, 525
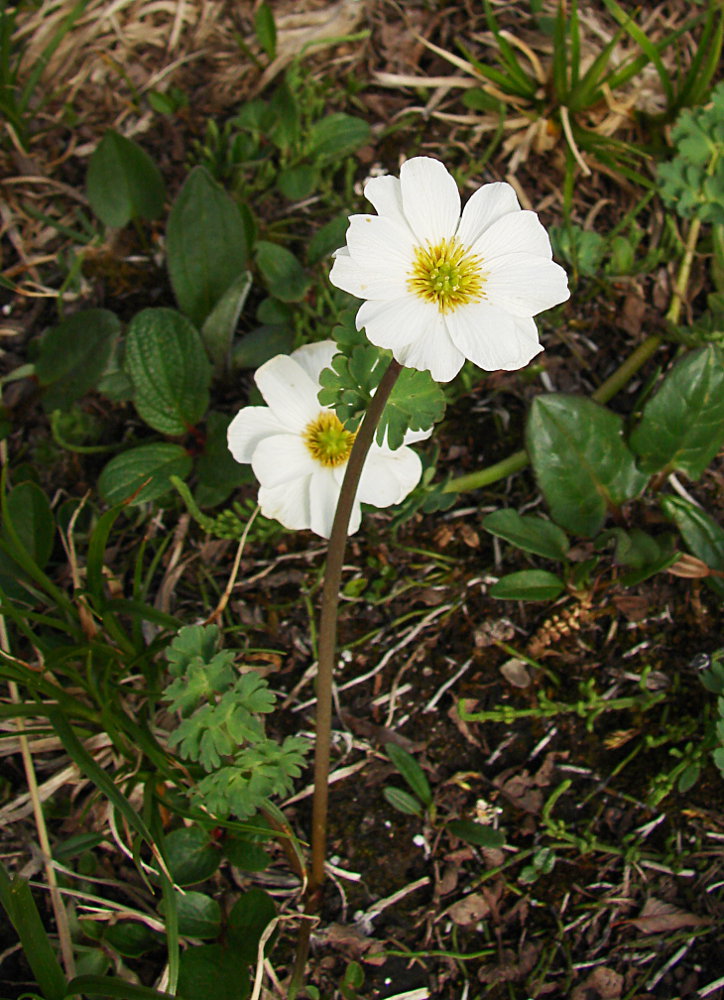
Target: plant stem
327, 657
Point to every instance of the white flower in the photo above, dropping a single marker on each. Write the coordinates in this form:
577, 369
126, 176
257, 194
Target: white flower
441, 287
298, 448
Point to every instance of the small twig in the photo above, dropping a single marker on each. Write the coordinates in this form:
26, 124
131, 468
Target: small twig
224, 600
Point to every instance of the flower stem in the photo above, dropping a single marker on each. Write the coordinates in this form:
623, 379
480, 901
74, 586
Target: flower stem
327, 655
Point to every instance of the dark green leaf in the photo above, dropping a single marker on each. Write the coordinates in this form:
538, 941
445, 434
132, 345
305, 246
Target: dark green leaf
703, 535
410, 771
476, 833
254, 348
110, 986
17, 901
581, 462
296, 183
529, 533
218, 330
528, 585
682, 426
327, 239
28, 510
123, 182
284, 275
210, 971
191, 854
218, 473
74, 355
169, 370
265, 29
336, 135
143, 474
206, 245
130, 938
402, 801
248, 920
246, 854
199, 916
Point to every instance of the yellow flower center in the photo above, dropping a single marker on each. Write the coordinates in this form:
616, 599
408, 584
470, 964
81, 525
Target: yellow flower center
447, 275
327, 440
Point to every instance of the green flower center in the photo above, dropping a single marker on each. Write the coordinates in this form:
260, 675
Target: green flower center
447, 275
327, 440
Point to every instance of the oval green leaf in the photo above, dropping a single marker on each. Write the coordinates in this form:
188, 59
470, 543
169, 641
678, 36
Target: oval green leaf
205, 243
191, 855
336, 135
28, 511
123, 182
529, 533
199, 915
208, 970
74, 355
218, 329
703, 535
167, 364
402, 801
682, 426
410, 771
284, 275
581, 462
143, 474
249, 918
528, 585
475, 833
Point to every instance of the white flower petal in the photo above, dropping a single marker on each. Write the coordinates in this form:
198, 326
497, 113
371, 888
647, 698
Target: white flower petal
248, 428
489, 203
380, 244
289, 391
314, 358
364, 282
493, 339
520, 232
385, 194
288, 506
323, 497
282, 459
430, 199
415, 332
525, 285
388, 476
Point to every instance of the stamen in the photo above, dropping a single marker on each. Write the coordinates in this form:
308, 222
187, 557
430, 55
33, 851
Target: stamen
327, 440
447, 275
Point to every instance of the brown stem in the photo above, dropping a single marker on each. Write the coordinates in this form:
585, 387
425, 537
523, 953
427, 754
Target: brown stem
327, 656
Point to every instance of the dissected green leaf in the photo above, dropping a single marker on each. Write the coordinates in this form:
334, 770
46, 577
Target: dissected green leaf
529, 533
169, 370
74, 354
528, 585
143, 474
123, 182
682, 426
415, 403
581, 461
206, 245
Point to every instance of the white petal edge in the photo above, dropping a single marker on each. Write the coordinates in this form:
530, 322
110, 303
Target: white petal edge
379, 244
385, 194
248, 428
364, 283
430, 199
282, 459
521, 232
525, 285
488, 204
289, 392
314, 358
388, 476
416, 334
289, 506
493, 339
323, 497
